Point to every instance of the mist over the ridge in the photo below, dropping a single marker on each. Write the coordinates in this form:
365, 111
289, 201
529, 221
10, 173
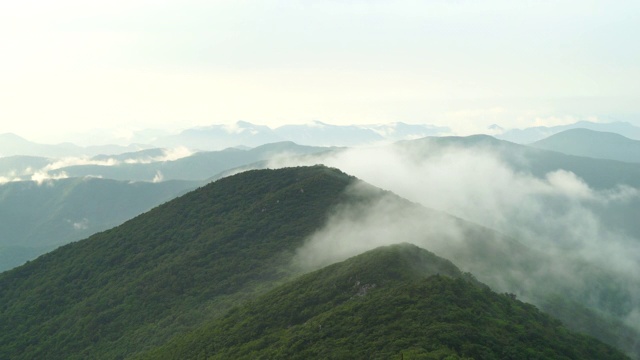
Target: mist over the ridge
558, 216
54, 169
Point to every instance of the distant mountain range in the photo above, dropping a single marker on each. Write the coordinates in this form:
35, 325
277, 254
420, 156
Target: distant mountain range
533, 134
240, 135
595, 144
243, 134
192, 264
317, 133
11, 145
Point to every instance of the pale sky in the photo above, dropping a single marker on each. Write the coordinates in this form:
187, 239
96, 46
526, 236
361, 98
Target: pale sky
69, 66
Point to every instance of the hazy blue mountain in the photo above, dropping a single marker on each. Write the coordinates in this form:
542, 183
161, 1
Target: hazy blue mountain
11, 144
148, 155
218, 137
199, 166
402, 131
595, 144
36, 218
533, 134
320, 134
21, 167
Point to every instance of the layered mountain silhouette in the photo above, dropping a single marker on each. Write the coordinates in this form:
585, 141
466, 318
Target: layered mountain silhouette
316, 133
183, 265
195, 167
595, 144
12, 144
533, 134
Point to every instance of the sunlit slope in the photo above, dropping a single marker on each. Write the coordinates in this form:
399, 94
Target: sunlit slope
395, 302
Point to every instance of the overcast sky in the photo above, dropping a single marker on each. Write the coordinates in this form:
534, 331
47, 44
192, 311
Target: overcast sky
68, 66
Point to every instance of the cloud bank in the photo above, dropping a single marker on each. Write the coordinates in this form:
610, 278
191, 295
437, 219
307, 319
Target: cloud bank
558, 217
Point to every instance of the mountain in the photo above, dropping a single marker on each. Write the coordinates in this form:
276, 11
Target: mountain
15, 168
533, 134
389, 303
11, 144
316, 133
142, 156
320, 134
165, 271
217, 137
187, 262
196, 167
595, 144
598, 173
401, 131
36, 218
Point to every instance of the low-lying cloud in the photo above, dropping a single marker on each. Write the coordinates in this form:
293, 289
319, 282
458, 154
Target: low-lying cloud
558, 215
56, 168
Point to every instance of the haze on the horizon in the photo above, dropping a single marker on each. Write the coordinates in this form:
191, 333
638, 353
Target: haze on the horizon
73, 66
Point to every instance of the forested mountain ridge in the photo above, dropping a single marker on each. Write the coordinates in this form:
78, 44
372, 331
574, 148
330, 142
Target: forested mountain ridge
165, 271
395, 302
168, 271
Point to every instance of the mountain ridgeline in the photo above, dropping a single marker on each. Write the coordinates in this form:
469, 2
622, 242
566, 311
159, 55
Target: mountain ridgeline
165, 271
169, 282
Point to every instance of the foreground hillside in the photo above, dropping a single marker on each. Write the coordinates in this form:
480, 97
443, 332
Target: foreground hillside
165, 271
396, 302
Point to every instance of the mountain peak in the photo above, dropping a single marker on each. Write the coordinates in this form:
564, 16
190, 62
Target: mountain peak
593, 144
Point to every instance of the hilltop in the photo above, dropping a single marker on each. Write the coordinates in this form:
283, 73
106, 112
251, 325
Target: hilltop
395, 302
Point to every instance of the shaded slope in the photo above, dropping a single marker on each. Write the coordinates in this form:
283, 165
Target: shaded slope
393, 302
165, 271
595, 144
35, 218
532, 134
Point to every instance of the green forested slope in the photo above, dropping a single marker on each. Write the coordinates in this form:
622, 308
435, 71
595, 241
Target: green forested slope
187, 262
165, 271
396, 302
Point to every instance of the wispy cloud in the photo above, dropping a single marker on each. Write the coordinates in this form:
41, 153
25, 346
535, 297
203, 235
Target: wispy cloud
43, 177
